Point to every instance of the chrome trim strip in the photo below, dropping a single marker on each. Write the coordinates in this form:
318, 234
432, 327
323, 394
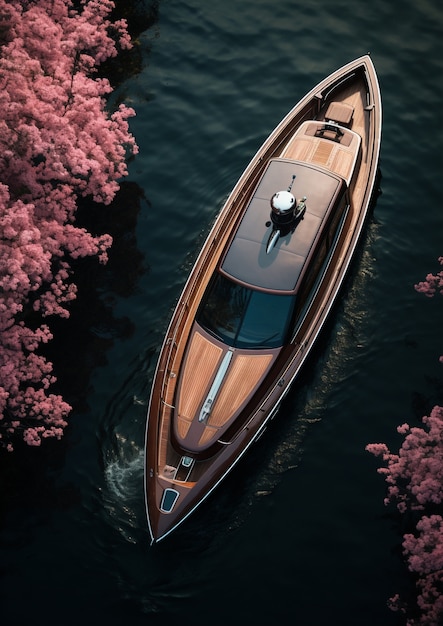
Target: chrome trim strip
215, 388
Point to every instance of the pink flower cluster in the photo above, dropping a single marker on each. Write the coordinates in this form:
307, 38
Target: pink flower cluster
57, 142
415, 475
432, 284
415, 482
425, 557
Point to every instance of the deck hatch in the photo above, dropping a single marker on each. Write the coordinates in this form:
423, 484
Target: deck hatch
246, 260
169, 498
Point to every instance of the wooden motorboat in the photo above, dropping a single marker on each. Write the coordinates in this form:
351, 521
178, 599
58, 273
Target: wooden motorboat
260, 291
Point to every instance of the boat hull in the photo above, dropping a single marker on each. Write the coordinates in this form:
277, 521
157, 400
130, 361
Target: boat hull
181, 472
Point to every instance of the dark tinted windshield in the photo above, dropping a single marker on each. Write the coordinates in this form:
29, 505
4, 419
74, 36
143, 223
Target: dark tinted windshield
243, 317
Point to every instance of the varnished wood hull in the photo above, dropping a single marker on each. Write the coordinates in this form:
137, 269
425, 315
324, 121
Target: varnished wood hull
188, 453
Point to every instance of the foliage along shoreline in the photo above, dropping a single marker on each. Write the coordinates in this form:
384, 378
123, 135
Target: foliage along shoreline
414, 478
58, 143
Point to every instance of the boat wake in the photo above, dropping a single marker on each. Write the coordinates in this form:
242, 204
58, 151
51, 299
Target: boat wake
124, 475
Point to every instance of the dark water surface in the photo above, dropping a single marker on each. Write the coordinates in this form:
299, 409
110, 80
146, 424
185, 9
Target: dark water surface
298, 534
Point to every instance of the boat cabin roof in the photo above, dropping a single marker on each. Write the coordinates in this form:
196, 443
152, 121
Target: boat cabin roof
246, 260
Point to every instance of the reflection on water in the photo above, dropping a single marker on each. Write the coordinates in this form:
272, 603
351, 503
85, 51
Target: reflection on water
334, 361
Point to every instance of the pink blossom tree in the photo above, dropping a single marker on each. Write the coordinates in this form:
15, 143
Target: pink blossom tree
58, 142
415, 484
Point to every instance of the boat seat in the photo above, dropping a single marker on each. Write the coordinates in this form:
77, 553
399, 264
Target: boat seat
325, 130
330, 131
340, 112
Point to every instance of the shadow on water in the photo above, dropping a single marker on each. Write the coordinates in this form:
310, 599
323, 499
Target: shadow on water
93, 326
141, 16
29, 477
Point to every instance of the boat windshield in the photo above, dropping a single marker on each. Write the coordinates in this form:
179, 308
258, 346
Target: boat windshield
245, 318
